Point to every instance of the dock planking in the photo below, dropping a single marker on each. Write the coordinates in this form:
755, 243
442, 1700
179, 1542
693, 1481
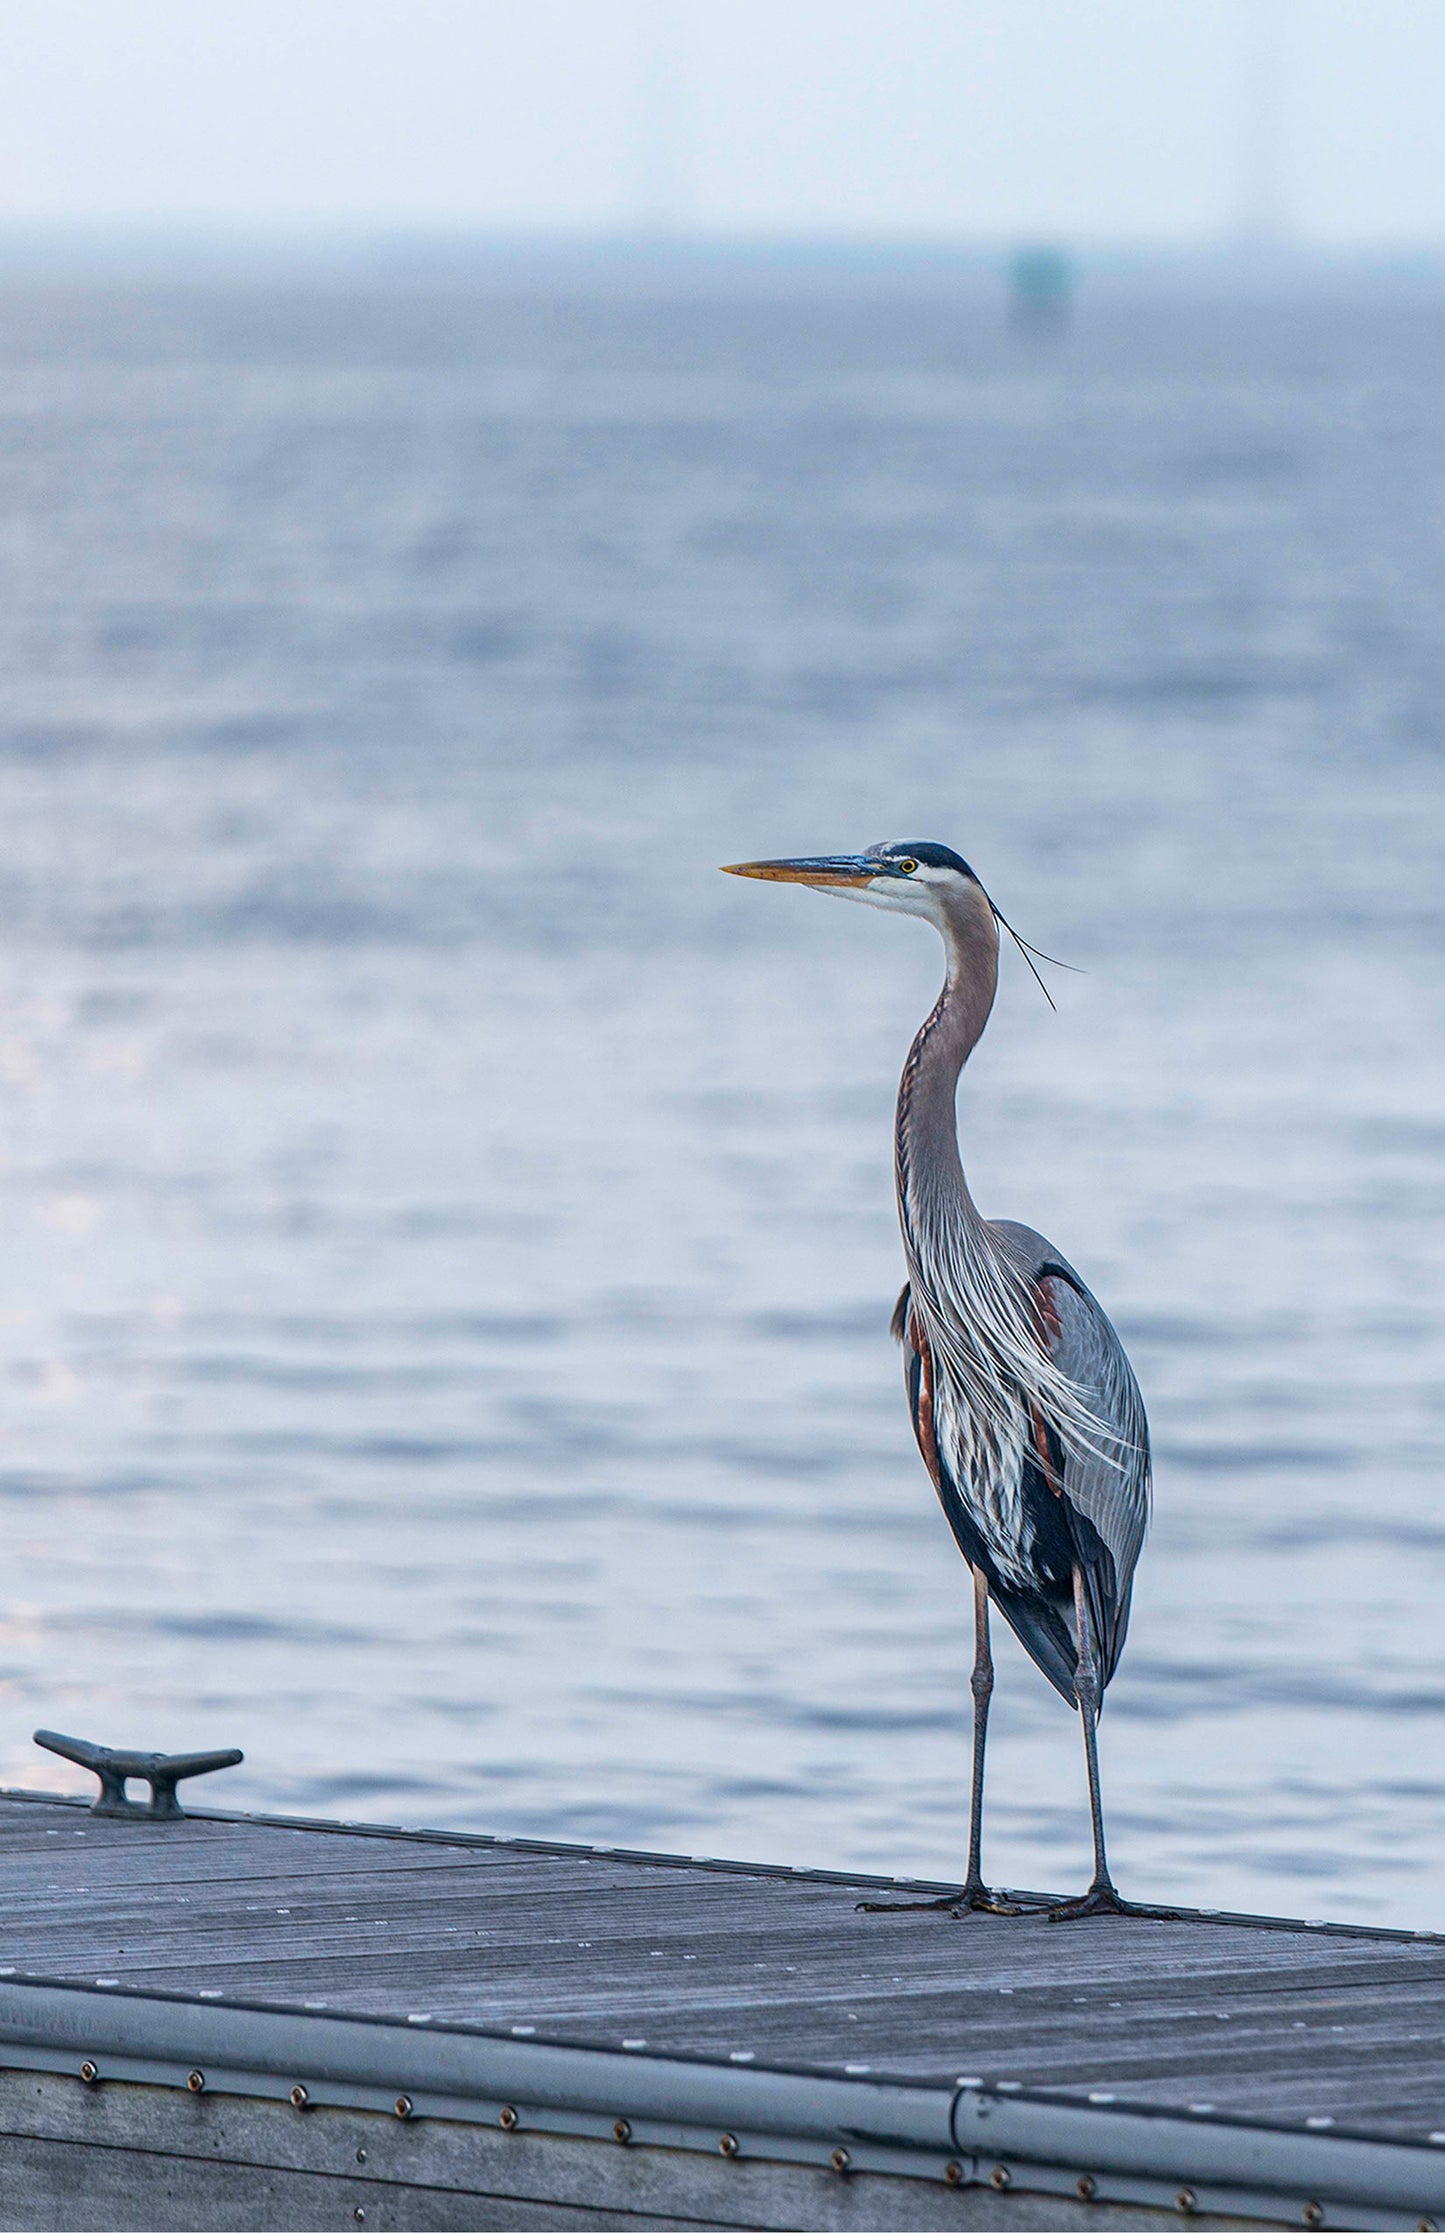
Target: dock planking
601, 1951
1293, 2028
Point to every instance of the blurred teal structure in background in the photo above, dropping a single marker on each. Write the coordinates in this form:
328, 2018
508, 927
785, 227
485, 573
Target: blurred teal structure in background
1041, 289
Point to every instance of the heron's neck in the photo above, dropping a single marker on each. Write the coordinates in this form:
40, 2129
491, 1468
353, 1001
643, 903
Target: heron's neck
930, 1169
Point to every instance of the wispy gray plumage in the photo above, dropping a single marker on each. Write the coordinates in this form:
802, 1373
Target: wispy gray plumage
1026, 1412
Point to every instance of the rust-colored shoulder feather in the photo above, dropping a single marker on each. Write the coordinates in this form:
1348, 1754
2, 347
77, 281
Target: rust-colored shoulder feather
919, 1360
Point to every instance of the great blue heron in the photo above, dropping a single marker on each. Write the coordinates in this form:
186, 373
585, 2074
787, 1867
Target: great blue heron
1026, 1411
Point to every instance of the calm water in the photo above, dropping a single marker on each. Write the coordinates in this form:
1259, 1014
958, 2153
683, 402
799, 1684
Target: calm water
447, 1229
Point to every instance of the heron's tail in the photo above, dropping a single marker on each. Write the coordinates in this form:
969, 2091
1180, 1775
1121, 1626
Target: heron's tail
1044, 1633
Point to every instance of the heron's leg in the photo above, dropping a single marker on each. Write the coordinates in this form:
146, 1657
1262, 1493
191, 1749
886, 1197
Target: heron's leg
1101, 1897
975, 1895
981, 1684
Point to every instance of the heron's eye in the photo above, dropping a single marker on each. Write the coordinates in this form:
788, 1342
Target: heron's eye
905, 868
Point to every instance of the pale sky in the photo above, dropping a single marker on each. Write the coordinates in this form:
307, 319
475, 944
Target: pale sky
1144, 120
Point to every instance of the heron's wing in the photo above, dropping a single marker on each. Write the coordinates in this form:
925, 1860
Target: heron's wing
1107, 1490
1036, 1623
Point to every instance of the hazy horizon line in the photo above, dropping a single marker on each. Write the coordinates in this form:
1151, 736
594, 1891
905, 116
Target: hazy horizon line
223, 234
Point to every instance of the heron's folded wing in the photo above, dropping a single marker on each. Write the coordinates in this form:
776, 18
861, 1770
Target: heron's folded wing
1108, 1486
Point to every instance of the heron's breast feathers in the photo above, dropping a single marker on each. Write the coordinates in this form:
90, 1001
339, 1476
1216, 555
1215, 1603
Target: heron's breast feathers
995, 1415
985, 1466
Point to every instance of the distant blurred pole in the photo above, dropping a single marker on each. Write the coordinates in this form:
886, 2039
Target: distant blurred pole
1261, 216
1041, 290
660, 181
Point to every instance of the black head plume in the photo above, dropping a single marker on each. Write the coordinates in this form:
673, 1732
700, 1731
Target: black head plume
1029, 952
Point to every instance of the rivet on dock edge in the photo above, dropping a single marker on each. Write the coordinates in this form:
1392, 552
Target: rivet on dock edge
1086, 2187
953, 2173
728, 2144
196, 2080
402, 2106
508, 2119
299, 2097
89, 2074
622, 2131
1000, 2178
840, 2159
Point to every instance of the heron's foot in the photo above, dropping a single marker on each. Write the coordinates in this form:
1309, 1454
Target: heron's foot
970, 1899
977, 1899
1102, 1899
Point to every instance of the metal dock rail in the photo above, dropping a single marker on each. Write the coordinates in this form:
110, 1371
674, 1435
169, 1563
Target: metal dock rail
219, 2020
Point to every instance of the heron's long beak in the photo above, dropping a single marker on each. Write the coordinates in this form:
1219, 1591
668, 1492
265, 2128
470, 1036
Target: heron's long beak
827, 869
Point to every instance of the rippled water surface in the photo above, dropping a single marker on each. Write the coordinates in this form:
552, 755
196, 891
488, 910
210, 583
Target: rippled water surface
448, 1235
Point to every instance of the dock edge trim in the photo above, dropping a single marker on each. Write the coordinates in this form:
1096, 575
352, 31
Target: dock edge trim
893, 2127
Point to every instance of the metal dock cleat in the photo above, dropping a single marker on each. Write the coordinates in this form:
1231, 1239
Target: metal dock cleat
161, 1770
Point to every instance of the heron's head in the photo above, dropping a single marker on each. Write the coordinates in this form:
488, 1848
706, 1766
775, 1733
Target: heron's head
922, 879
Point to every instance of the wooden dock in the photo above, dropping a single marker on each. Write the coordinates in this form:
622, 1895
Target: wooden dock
231, 2021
